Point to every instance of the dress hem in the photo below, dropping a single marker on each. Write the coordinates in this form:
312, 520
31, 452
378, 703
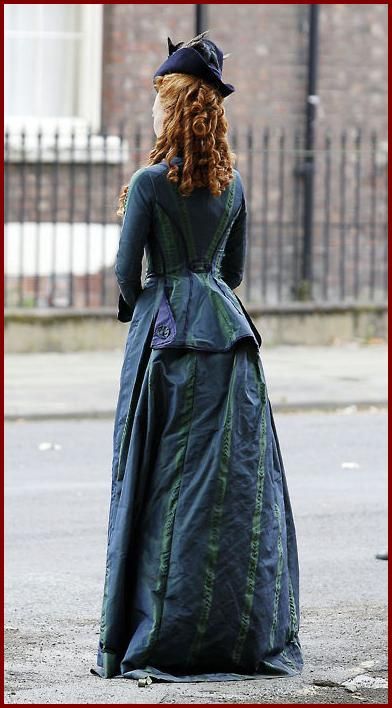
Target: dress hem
157, 675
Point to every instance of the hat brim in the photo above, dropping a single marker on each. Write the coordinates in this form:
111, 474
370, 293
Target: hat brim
188, 61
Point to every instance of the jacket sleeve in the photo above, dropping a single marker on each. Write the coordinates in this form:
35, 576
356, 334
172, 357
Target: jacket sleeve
134, 231
233, 261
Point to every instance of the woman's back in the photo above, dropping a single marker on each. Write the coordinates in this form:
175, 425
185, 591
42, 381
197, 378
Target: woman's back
195, 249
191, 229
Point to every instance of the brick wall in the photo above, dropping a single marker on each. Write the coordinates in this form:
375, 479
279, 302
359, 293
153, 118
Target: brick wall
135, 41
268, 66
268, 46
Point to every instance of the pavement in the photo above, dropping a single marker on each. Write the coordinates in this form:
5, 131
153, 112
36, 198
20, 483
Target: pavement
330, 411
57, 491
85, 384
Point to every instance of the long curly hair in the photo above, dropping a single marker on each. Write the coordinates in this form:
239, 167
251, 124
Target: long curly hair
195, 127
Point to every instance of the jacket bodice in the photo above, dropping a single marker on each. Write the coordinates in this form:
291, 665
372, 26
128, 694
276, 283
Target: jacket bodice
195, 252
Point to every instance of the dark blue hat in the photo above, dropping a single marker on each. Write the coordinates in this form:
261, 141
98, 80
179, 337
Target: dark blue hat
199, 57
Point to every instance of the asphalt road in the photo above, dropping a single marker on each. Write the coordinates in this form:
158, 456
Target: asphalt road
57, 501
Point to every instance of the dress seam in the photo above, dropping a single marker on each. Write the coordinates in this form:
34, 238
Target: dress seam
216, 520
154, 633
256, 529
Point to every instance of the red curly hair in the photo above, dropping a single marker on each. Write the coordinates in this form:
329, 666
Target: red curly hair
194, 127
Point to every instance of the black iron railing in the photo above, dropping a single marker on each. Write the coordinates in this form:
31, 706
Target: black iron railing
62, 231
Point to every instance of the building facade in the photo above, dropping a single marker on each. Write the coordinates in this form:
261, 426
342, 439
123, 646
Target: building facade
78, 100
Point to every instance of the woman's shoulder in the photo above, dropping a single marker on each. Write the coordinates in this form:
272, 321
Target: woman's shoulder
142, 180
141, 176
145, 176
238, 185
139, 187
237, 175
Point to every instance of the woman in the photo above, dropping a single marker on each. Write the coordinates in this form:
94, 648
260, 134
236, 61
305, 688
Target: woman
202, 571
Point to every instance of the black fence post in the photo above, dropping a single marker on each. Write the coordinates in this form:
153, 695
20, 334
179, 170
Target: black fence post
72, 195
22, 208
249, 184
264, 212
327, 215
296, 213
280, 212
54, 215
89, 192
373, 214
357, 210
38, 186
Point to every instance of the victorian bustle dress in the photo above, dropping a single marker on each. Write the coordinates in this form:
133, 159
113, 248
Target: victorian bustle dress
202, 575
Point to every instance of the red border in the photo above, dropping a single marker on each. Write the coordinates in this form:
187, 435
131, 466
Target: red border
389, 264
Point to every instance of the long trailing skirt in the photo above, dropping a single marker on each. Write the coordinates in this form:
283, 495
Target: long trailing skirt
202, 576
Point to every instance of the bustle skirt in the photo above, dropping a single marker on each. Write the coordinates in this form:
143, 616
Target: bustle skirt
202, 574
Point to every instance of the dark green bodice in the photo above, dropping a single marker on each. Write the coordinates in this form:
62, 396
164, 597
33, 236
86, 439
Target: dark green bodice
195, 252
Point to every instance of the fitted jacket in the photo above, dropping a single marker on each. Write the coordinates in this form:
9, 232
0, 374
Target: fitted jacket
195, 251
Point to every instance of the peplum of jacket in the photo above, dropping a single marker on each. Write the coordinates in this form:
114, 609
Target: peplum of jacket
187, 298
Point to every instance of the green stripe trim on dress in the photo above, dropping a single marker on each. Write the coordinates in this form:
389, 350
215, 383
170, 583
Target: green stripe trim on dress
279, 570
190, 244
223, 221
168, 525
168, 237
294, 625
256, 527
216, 520
221, 311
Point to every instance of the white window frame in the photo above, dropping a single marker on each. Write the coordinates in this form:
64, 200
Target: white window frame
90, 84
